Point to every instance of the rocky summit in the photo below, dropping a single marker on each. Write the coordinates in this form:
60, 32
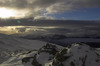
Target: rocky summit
72, 55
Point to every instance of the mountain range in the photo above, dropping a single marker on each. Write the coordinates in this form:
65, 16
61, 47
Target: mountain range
16, 51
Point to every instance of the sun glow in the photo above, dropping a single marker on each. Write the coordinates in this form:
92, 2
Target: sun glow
6, 13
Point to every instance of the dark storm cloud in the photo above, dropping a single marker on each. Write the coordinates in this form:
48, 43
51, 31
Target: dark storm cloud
87, 3
14, 3
26, 3
37, 7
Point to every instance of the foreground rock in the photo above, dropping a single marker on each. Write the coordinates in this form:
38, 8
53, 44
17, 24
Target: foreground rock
73, 55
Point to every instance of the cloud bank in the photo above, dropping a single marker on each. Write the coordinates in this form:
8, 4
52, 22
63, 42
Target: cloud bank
83, 30
36, 8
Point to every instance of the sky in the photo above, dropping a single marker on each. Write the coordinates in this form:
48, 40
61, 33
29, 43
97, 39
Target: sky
80, 14
52, 9
86, 11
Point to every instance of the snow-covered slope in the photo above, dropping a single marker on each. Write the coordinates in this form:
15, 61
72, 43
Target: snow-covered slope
23, 52
73, 55
11, 47
52, 55
14, 43
77, 55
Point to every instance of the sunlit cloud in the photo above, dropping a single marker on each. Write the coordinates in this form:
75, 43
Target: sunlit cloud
23, 29
6, 13
11, 13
